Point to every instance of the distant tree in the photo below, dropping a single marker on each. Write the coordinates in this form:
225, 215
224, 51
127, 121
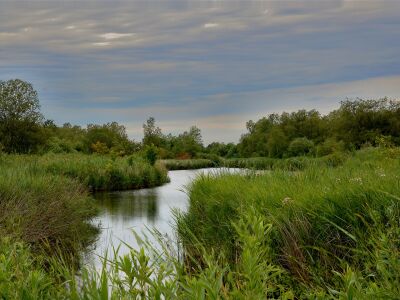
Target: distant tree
277, 142
112, 136
361, 121
20, 117
188, 143
152, 134
222, 149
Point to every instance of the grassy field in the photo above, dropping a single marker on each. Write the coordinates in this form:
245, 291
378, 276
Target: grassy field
329, 231
324, 232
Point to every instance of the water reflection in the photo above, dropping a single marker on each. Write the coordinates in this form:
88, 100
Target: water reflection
129, 204
122, 212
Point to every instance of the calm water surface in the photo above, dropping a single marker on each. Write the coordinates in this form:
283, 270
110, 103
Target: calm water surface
122, 212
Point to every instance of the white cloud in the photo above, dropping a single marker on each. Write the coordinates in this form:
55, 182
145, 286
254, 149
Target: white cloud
114, 35
211, 25
70, 27
101, 44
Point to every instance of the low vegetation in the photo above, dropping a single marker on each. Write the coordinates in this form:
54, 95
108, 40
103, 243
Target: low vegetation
48, 212
322, 233
322, 223
187, 164
99, 172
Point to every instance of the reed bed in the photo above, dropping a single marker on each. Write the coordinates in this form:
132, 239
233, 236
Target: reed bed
104, 172
319, 233
187, 164
325, 225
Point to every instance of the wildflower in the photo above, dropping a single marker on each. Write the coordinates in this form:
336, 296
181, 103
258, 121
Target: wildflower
287, 200
356, 179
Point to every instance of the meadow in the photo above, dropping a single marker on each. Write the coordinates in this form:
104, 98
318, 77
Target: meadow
324, 232
46, 212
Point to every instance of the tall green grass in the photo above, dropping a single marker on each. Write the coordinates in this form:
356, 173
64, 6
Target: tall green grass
287, 164
104, 172
187, 164
256, 163
45, 214
48, 212
328, 223
322, 233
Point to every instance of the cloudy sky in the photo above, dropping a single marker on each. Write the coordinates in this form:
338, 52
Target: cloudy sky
211, 64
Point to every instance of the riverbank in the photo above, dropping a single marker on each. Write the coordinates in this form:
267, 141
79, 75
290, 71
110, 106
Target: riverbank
322, 233
46, 212
256, 163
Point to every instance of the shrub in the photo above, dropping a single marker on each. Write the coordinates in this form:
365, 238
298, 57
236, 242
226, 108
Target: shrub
330, 146
301, 146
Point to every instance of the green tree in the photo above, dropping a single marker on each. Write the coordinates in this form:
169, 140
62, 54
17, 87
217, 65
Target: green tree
360, 122
20, 117
152, 134
188, 143
111, 135
277, 143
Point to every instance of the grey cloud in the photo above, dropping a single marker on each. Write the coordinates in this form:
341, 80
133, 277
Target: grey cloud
102, 61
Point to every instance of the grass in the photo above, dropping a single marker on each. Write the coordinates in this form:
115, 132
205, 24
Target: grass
104, 172
287, 164
49, 213
328, 224
46, 212
187, 164
321, 233
255, 163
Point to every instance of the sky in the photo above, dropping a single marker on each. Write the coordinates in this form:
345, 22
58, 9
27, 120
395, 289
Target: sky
211, 64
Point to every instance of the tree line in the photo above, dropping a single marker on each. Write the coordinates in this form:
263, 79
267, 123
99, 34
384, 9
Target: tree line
356, 123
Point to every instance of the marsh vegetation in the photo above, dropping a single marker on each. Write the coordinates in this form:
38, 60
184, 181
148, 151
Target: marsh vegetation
322, 223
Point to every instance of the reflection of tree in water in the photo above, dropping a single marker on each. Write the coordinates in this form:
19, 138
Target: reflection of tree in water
129, 204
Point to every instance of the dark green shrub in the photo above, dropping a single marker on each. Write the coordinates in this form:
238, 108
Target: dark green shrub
301, 146
151, 154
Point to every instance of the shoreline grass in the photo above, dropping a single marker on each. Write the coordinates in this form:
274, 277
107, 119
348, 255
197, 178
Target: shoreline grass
49, 212
325, 221
104, 173
321, 233
256, 163
187, 164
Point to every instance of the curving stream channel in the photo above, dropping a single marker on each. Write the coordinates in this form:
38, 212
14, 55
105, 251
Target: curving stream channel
124, 211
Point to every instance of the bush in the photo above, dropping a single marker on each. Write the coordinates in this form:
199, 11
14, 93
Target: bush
330, 146
301, 146
151, 154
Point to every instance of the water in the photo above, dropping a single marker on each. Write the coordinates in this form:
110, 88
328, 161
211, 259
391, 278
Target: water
122, 212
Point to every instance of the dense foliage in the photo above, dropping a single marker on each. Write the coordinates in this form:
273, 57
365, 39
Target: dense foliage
354, 125
20, 117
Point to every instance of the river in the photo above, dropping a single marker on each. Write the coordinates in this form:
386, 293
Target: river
124, 211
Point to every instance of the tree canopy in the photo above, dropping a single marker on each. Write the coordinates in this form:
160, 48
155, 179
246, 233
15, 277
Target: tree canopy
20, 117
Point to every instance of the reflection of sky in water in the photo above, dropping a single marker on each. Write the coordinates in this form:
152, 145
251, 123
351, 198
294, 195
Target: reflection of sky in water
122, 212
